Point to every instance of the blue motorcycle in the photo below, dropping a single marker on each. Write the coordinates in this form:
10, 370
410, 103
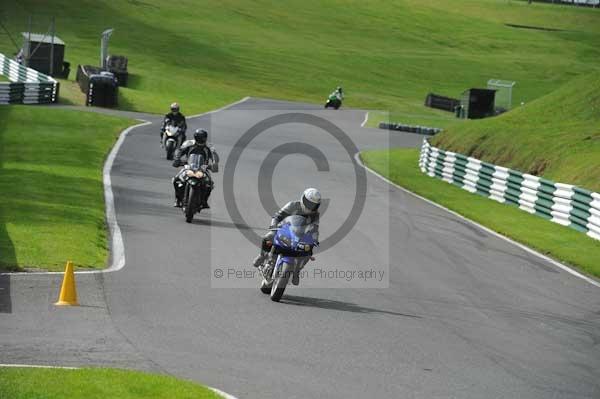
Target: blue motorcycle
292, 248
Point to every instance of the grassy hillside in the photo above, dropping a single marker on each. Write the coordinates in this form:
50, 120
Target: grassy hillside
387, 54
557, 136
51, 196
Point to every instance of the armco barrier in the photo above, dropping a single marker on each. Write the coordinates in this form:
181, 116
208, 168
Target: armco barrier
561, 203
26, 86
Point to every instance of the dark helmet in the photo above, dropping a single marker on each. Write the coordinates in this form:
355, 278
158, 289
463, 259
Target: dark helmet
200, 136
174, 107
339, 88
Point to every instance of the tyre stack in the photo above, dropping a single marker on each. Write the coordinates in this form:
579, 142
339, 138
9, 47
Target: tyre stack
429, 131
101, 87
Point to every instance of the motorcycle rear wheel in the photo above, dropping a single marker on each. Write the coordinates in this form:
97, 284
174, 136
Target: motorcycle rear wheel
265, 288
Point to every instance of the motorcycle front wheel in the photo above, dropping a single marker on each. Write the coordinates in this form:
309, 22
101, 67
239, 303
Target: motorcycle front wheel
280, 282
170, 148
191, 204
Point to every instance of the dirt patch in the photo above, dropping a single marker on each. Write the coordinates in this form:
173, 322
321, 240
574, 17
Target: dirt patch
538, 167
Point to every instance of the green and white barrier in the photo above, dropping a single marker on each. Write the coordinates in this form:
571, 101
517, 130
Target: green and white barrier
561, 203
26, 86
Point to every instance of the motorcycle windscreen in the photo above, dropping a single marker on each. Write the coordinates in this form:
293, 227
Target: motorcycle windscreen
300, 227
196, 161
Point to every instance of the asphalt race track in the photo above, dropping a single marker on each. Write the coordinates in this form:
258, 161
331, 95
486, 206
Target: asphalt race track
465, 315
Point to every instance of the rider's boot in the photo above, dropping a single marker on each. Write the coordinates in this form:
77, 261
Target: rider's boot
296, 278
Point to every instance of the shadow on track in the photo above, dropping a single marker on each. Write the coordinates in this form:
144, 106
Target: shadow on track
8, 259
338, 305
5, 302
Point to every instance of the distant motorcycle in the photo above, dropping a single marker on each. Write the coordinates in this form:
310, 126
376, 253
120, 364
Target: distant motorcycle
172, 139
292, 249
197, 178
334, 101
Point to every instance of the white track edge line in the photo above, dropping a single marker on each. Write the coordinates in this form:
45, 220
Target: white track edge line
39, 366
223, 394
117, 248
117, 252
220, 109
487, 229
365, 121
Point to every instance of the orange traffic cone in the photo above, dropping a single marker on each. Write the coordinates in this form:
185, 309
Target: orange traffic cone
68, 292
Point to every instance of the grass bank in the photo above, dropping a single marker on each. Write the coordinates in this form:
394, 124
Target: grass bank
95, 383
567, 245
51, 192
387, 54
556, 136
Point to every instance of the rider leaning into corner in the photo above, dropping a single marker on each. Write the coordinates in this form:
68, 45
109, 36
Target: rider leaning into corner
196, 146
176, 118
307, 206
339, 92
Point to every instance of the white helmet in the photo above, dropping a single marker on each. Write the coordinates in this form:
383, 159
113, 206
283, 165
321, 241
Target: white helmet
311, 199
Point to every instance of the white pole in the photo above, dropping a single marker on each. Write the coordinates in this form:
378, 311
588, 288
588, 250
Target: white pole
104, 46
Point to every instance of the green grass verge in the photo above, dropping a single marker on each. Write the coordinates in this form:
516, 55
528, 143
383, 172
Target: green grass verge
559, 242
95, 383
51, 193
556, 136
387, 54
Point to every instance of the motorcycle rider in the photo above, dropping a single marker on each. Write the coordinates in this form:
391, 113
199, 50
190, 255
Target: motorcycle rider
176, 118
307, 206
339, 93
196, 146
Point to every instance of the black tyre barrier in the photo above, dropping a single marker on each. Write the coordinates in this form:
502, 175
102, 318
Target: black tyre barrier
430, 131
117, 64
441, 102
100, 87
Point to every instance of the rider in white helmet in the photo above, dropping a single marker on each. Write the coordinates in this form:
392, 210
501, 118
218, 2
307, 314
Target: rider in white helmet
307, 206
176, 118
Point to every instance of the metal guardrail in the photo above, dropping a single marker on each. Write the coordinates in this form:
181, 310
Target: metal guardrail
26, 86
564, 204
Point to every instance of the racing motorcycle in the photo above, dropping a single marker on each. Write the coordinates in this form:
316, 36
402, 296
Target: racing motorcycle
172, 140
333, 101
291, 250
197, 182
